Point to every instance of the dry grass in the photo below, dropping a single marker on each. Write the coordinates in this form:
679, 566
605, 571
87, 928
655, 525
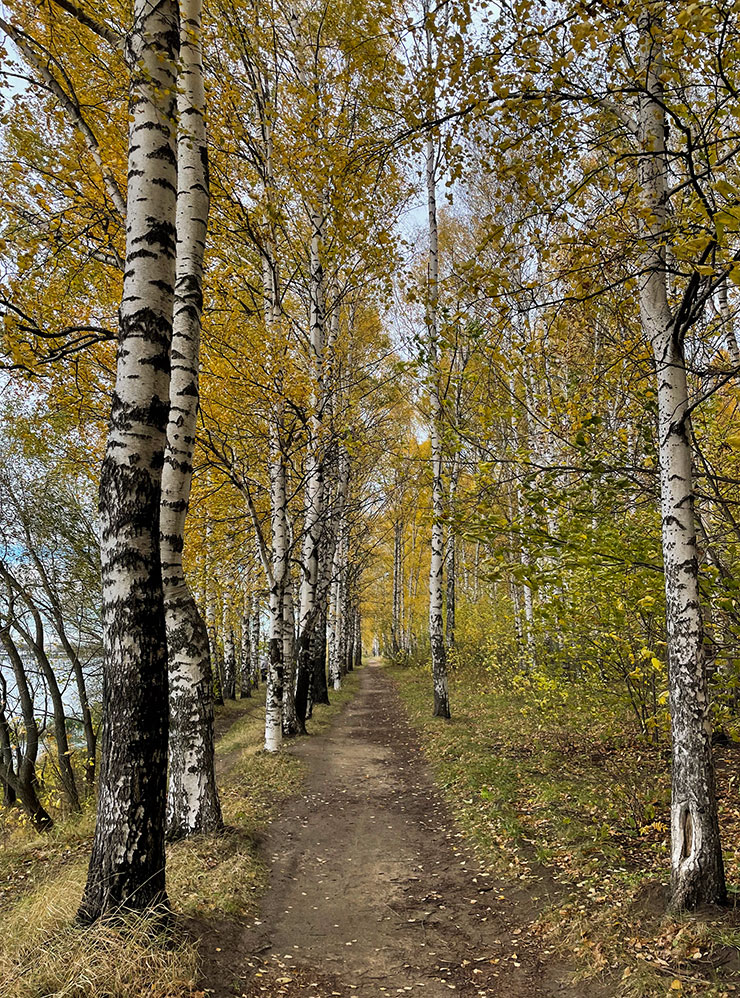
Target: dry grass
43, 954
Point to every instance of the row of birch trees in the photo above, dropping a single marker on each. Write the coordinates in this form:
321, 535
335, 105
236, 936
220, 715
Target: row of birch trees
539, 356
579, 364
262, 403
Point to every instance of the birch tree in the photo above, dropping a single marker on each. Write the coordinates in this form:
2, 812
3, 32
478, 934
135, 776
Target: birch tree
192, 803
436, 566
697, 872
278, 582
127, 866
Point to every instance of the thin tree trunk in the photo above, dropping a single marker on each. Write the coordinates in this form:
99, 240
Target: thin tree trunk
729, 326
396, 623
451, 562
436, 569
213, 649
35, 643
192, 800
338, 571
697, 872
349, 630
63, 750
254, 640
127, 866
229, 660
275, 674
319, 685
245, 678
290, 721
319, 690
8, 775
26, 780
314, 485
358, 641
57, 618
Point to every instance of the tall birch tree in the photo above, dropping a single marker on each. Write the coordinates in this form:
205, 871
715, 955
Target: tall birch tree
192, 803
436, 566
127, 865
697, 872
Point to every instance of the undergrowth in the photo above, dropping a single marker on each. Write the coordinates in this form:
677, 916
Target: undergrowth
44, 954
556, 788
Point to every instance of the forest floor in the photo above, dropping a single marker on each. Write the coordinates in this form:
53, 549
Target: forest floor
372, 889
518, 850
553, 790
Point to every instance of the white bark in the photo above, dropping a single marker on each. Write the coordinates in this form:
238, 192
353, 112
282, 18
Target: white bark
729, 326
290, 724
436, 567
279, 581
338, 571
192, 803
313, 488
451, 559
396, 621
254, 639
245, 657
697, 873
128, 862
229, 657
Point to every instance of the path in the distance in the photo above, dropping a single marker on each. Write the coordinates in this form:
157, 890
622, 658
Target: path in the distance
372, 892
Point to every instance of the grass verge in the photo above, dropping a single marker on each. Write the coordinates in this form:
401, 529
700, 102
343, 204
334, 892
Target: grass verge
563, 790
43, 954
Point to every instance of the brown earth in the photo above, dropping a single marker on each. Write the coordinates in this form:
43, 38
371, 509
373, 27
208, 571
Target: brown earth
373, 892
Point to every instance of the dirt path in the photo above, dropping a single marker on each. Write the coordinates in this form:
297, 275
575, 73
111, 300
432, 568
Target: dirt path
372, 892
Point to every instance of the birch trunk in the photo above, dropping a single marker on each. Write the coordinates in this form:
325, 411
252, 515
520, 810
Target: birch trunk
451, 563
396, 623
8, 775
229, 661
56, 614
127, 866
63, 750
213, 652
319, 689
436, 569
697, 872
358, 641
245, 679
729, 326
313, 507
349, 630
335, 625
254, 640
274, 695
290, 721
192, 797
338, 566
34, 641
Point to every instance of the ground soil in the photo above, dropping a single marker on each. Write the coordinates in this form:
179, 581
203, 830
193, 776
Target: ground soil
372, 890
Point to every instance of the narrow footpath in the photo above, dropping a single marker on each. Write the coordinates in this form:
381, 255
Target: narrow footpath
372, 891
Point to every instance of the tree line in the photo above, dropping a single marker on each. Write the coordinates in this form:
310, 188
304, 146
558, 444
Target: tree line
505, 432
